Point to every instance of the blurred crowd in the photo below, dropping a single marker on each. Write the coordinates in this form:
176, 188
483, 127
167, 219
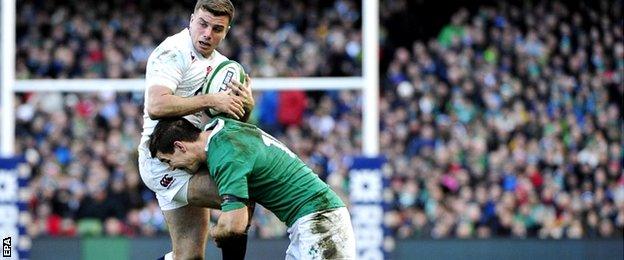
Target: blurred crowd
113, 39
507, 124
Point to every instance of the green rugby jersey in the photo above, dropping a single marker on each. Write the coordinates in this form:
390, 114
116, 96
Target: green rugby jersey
248, 163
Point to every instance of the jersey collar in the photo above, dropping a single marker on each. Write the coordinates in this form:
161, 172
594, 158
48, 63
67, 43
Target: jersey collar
216, 126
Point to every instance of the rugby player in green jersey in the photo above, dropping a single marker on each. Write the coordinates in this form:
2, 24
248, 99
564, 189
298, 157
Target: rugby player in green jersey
249, 164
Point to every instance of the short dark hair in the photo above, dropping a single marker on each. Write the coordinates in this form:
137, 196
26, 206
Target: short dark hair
217, 8
169, 130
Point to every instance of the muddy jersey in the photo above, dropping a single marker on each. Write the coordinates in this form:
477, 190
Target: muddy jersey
248, 163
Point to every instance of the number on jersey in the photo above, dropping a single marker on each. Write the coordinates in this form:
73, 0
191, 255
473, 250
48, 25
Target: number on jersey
270, 140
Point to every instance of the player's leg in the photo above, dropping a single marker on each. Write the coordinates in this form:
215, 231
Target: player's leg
202, 191
188, 224
188, 228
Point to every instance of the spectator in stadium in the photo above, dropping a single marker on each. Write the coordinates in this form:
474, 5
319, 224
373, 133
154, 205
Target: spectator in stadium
249, 164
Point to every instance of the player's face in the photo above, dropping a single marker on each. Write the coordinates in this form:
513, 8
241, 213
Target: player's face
207, 31
179, 159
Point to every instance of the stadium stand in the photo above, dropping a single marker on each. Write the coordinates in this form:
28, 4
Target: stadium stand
508, 124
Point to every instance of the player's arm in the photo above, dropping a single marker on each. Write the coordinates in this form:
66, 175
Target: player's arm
163, 103
230, 166
230, 233
165, 71
234, 219
231, 224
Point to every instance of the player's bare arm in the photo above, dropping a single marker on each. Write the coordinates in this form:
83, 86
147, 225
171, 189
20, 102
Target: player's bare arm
163, 103
231, 224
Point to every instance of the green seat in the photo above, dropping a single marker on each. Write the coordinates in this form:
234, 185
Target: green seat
89, 227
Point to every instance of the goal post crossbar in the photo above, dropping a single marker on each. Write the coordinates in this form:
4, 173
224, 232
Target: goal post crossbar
131, 85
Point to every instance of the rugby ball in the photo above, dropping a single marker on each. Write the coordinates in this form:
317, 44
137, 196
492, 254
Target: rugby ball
225, 72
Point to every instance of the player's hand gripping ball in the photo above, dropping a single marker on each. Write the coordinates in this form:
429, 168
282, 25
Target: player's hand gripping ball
224, 73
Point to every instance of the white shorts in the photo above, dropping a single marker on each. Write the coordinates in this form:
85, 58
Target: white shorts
171, 187
322, 235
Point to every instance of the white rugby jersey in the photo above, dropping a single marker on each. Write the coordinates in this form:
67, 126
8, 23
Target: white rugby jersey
177, 65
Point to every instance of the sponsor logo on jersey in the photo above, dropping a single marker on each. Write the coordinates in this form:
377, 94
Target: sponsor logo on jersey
166, 181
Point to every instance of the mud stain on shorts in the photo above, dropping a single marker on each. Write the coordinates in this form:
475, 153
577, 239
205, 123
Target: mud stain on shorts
320, 224
326, 247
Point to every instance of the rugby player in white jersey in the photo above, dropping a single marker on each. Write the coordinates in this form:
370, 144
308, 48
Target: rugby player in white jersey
175, 72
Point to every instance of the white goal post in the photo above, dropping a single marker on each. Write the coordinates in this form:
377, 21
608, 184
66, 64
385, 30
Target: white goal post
7, 77
368, 83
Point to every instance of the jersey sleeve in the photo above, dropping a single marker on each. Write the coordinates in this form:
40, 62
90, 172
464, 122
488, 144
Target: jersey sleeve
230, 166
165, 67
